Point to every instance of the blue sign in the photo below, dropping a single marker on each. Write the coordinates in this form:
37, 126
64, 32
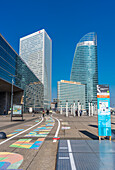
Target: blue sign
104, 116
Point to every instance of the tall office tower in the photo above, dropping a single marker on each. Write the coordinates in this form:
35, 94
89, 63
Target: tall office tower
27, 88
36, 51
71, 91
84, 67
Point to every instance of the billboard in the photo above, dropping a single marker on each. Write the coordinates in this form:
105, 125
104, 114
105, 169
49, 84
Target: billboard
103, 105
17, 109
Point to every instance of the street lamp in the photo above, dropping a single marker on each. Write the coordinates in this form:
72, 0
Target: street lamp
12, 94
12, 99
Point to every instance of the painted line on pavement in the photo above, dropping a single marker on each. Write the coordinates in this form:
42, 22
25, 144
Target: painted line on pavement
63, 147
21, 132
63, 157
73, 167
56, 134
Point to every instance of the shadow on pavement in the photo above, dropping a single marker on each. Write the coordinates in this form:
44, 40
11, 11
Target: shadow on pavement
21, 122
17, 120
90, 135
95, 126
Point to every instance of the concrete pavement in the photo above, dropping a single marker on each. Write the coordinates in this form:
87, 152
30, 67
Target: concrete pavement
43, 154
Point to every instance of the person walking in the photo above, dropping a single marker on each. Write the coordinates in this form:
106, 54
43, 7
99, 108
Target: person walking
43, 113
47, 112
80, 112
33, 113
87, 112
76, 112
4, 112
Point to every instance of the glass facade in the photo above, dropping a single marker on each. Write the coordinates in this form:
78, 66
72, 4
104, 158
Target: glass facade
36, 51
71, 91
7, 61
12, 66
84, 67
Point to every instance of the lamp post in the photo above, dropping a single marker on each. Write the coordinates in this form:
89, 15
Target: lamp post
34, 102
12, 94
67, 108
12, 99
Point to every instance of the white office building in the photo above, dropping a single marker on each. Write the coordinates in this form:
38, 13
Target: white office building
70, 91
36, 51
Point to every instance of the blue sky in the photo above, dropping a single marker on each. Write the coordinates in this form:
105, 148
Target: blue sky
65, 22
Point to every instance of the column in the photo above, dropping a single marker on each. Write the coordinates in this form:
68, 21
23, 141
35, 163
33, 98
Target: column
71, 109
61, 110
78, 109
66, 108
89, 108
74, 108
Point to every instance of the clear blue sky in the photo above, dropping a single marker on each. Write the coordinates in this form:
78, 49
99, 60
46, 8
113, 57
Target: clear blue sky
65, 22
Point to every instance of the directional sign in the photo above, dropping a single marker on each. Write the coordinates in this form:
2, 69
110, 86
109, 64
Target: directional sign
104, 116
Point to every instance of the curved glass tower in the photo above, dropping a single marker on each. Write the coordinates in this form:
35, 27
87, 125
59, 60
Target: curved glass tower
84, 67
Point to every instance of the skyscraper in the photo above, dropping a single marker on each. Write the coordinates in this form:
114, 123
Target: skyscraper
36, 51
27, 88
84, 67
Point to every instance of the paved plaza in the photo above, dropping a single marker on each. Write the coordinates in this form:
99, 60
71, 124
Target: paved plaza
30, 143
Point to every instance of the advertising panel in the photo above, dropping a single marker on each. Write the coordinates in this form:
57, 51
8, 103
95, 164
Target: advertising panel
17, 109
104, 116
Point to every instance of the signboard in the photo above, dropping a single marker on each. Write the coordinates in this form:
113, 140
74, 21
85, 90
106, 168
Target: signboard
30, 110
17, 110
104, 115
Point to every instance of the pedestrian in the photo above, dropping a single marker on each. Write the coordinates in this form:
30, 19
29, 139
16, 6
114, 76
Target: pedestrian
4, 111
33, 114
80, 112
76, 112
43, 113
87, 112
47, 112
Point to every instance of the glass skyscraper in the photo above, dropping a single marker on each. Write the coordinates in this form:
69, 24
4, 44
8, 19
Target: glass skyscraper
71, 91
24, 80
84, 67
36, 51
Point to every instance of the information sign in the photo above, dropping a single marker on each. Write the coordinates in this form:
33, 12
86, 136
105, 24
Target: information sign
30, 110
104, 116
17, 109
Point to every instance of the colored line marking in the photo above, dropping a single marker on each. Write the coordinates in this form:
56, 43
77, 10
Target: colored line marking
56, 138
19, 129
56, 134
73, 167
21, 132
63, 157
63, 147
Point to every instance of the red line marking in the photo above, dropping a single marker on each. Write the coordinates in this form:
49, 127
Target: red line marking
56, 138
